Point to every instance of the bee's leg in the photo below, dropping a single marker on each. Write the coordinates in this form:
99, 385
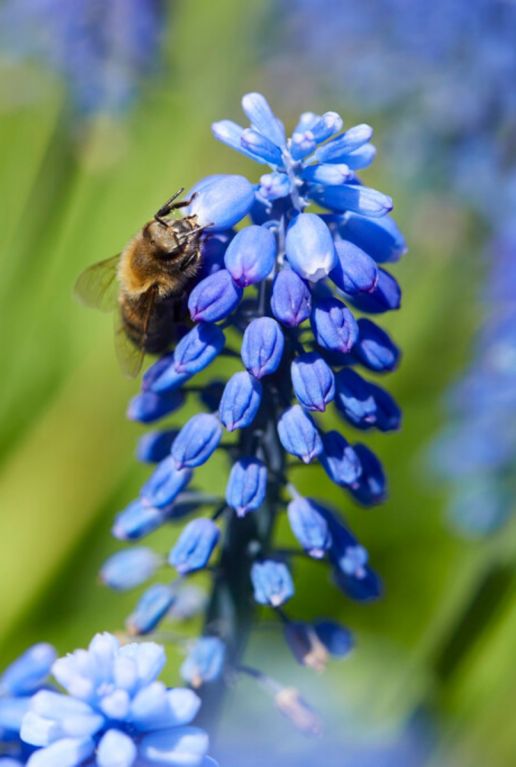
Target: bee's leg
183, 203
170, 205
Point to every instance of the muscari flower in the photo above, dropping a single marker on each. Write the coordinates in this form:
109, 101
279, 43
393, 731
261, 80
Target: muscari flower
102, 50
447, 65
278, 299
114, 712
475, 452
24, 677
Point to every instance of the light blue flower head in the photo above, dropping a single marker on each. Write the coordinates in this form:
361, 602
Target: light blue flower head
114, 712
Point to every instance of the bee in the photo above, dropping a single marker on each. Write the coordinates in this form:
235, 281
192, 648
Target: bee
148, 284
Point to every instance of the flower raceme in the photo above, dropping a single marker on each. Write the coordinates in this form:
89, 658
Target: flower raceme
114, 712
285, 287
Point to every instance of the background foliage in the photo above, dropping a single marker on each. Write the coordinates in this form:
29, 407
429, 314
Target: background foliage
439, 647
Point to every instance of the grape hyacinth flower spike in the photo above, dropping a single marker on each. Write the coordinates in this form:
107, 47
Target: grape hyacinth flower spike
276, 302
114, 711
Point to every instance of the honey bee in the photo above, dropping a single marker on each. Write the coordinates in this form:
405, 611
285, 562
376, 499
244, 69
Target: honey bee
147, 283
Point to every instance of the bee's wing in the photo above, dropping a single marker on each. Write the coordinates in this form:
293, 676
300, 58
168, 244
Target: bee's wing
128, 354
97, 286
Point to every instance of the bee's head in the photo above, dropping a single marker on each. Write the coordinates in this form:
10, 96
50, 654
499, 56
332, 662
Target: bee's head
161, 236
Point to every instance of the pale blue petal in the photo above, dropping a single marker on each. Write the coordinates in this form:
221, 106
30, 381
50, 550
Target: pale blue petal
116, 749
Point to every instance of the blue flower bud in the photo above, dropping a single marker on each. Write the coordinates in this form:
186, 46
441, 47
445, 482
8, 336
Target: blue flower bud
298, 434
388, 414
333, 325
352, 573
309, 526
116, 748
352, 197
155, 370
354, 399
379, 237
340, 147
251, 255
374, 348
313, 381
197, 349
364, 404
155, 445
263, 119
129, 568
204, 661
325, 126
262, 346
306, 121
329, 175
355, 272
291, 301
193, 353
137, 520
197, 440
64, 751
272, 582
385, 297
29, 671
371, 487
214, 298
340, 460
362, 157
148, 406
229, 133
221, 201
305, 645
261, 147
337, 639
309, 247
247, 485
240, 401
165, 484
274, 186
194, 546
152, 607
302, 144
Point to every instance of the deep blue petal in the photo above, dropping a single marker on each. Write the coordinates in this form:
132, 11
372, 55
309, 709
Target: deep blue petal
214, 298
240, 401
247, 485
251, 255
291, 301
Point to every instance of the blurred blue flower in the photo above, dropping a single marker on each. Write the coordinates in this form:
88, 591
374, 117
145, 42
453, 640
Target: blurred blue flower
476, 450
204, 661
276, 301
447, 67
24, 677
114, 711
103, 50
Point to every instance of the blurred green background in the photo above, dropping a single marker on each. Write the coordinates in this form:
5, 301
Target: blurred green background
442, 639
